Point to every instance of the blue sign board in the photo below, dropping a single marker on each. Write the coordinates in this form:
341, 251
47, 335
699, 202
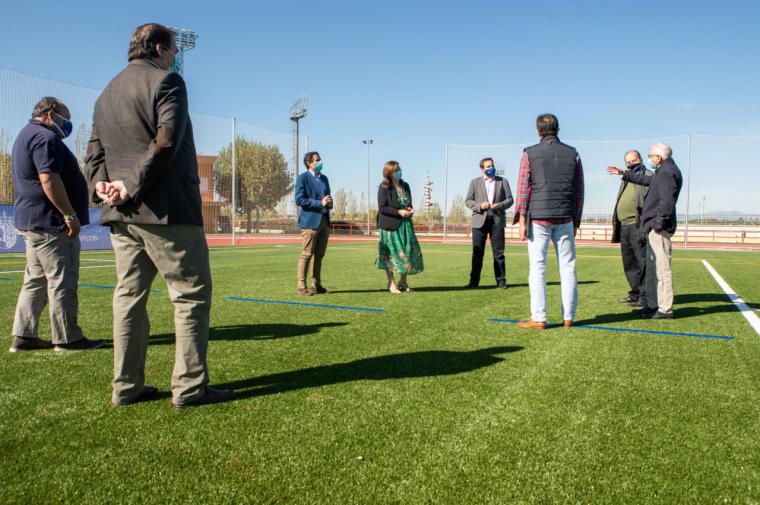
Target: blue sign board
92, 236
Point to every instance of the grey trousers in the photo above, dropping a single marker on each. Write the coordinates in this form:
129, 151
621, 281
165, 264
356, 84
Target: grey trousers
51, 277
180, 254
659, 274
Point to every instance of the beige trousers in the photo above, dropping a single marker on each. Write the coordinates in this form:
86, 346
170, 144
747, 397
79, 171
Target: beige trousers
50, 277
314, 247
180, 254
659, 272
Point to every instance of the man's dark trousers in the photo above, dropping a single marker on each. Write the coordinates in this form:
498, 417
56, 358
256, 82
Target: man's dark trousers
633, 249
479, 236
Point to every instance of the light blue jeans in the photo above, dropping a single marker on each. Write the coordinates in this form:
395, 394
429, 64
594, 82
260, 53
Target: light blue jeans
564, 245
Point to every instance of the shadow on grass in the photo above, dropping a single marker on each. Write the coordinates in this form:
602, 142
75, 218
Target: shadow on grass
680, 312
271, 331
393, 366
434, 289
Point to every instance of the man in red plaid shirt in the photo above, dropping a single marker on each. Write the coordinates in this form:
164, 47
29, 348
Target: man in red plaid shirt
549, 208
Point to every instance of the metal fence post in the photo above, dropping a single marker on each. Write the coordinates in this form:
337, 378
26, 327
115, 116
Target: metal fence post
445, 190
688, 195
234, 179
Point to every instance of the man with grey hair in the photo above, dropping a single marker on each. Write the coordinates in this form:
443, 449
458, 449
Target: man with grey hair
141, 163
658, 224
51, 206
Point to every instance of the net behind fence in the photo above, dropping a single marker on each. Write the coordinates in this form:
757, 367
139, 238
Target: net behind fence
247, 175
245, 193
719, 202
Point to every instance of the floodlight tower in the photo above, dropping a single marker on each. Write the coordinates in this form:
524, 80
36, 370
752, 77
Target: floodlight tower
427, 195
297, 113
185, 40
368, 142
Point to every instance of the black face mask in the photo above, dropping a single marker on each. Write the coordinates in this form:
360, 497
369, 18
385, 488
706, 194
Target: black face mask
634, 166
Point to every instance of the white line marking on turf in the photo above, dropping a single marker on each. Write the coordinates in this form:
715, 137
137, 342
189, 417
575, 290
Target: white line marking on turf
22, 271
745, 310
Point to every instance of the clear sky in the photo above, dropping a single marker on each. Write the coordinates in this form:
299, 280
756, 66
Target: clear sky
414, 76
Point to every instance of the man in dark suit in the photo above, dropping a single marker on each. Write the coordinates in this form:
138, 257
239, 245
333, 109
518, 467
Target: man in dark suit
313, 198
488, 197
626, 223
141, 163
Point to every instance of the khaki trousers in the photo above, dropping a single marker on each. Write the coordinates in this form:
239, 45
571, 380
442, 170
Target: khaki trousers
51, 276
314, 247
659, 274
180, 254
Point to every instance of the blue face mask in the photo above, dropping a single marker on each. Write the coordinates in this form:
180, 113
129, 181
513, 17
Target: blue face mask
318, 167
650, 165
397, 175
65, 130
490, 171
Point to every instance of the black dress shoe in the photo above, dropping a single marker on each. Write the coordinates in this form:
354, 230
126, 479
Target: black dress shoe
645, 310
211, 396
663, 315
147, 392
471, 286
501, 285
628, 299
319, 289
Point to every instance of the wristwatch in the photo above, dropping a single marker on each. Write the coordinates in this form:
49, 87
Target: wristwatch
67, 218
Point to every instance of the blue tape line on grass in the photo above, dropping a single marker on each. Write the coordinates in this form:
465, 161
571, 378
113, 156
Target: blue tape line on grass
100, 286
318, 305
627, 330
6, 278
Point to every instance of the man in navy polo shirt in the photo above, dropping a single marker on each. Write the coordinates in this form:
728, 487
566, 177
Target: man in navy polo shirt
51, 207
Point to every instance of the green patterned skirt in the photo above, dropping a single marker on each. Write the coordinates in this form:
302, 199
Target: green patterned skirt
399, 251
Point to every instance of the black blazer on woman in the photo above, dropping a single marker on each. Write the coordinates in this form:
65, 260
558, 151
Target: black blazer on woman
388, 217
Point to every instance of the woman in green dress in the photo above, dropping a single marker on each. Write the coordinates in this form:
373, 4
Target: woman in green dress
398, 250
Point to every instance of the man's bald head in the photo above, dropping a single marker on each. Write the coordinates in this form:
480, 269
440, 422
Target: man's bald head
632, 157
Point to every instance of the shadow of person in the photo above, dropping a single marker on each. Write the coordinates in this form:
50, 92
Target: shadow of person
392, 366
707, 297
680, 312
435, 289
266, 331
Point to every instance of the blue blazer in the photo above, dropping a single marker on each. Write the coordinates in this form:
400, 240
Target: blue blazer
307, 198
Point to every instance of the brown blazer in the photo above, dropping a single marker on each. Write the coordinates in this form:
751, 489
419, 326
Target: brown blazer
142, 135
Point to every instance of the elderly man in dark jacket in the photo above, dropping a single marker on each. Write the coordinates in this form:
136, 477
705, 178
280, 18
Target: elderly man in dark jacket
141, 162
658, 224
626, 230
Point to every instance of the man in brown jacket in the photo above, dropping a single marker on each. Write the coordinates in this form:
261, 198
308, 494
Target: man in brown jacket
141, 162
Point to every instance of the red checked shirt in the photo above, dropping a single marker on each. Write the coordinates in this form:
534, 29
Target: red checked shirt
523, 195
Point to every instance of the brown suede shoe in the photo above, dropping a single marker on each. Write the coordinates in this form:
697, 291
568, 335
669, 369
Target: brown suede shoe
532, 325
567, 324
304, 292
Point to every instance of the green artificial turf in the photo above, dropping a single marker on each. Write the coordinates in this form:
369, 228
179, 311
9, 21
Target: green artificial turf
427, 402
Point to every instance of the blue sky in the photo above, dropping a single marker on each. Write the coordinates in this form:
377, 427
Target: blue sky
417, 75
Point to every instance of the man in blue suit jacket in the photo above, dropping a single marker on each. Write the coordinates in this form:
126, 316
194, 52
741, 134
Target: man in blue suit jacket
313, 197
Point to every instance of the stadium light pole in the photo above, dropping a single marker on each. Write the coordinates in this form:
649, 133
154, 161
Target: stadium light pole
297, 113
368, 142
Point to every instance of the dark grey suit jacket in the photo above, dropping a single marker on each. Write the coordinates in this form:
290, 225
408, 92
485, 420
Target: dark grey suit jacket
477, 194
141, 134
